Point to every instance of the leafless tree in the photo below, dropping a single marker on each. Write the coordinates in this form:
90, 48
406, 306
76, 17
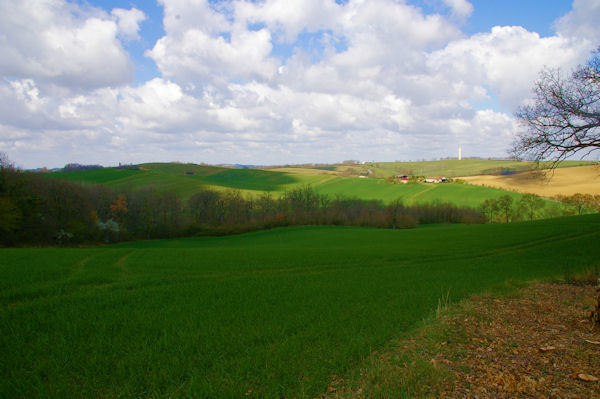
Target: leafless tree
564, 117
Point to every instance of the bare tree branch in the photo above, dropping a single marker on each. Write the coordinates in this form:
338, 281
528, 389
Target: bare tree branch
564, 117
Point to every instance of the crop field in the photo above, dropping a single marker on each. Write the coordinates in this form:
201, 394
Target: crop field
565, 181
378, 189
453, 167
268, 314
187, 179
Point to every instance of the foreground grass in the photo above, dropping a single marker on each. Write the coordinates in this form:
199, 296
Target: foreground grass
268, 314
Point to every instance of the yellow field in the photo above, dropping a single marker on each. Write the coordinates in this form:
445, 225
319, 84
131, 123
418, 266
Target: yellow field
565, 181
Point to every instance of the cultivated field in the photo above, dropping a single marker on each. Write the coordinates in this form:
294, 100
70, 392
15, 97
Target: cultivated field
565, 181
187, 179
452, 167
269, 314
378, 189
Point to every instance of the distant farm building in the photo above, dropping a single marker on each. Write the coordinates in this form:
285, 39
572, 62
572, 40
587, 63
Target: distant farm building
403, 179
436, 179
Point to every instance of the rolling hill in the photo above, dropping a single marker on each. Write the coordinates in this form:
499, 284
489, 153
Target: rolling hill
451, 168
187, 179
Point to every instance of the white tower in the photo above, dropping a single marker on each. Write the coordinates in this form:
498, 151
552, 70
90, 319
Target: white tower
459, 153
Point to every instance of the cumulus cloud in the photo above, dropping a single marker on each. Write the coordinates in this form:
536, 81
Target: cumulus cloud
507, 59
52, 42
582, 22
269, 82
128, 22
461, 9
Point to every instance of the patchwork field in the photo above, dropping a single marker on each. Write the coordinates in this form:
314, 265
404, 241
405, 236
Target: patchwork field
187, 179
452, 167
269, 314
378, 189
565, 181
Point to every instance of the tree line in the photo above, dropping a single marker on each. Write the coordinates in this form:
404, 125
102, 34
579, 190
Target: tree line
37, 210
531, 206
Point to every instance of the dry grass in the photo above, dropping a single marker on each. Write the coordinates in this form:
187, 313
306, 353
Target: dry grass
565, 181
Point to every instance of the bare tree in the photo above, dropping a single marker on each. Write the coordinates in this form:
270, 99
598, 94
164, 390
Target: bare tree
564, 117
5, 162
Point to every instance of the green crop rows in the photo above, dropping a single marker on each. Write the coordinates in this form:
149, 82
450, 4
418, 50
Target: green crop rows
269, 314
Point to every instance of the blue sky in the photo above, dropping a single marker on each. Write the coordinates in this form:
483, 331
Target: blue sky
533, 15
275, 82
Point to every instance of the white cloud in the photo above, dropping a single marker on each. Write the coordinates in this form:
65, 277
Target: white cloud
507, 59
461, 9
204, 45
374, 79
51, 42
128, 22
196, 57
289, 18
582, 22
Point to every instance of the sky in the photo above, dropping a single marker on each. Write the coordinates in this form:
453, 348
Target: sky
273, 82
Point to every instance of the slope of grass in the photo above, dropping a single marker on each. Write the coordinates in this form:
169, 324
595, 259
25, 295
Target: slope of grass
100, 176
378, 189
453, 167
187, 179
268, 314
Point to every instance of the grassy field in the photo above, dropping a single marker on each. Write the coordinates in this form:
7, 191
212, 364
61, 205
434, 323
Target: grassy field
565, 181
269, 314
378, 189
452, 167
187, 179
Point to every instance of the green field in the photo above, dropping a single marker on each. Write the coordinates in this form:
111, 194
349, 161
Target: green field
268, 314
454, 167
187, 179
378, 189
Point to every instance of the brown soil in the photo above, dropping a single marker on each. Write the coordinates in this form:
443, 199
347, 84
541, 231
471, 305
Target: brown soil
538, 345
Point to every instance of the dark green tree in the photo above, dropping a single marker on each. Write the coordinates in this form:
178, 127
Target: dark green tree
531, 203
505, 204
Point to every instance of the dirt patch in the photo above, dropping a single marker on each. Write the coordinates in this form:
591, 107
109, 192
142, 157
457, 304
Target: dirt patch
533, 343
537, 345
565, 181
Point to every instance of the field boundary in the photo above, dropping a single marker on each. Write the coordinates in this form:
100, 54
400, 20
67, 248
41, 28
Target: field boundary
493, 344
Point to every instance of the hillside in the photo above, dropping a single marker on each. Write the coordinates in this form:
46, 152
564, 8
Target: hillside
187, 179
564, 181
378, 189
269, 314
448, 168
